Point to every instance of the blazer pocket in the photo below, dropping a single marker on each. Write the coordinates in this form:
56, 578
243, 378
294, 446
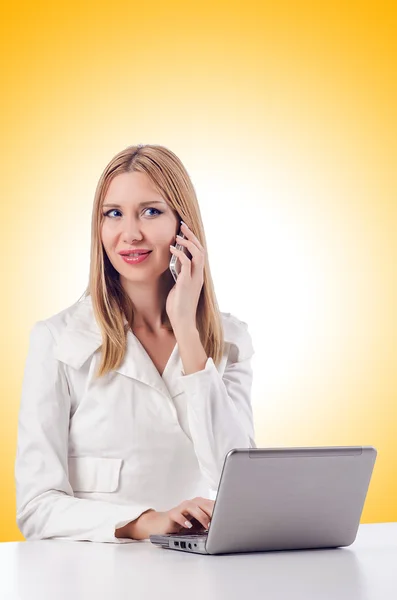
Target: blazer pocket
94, 474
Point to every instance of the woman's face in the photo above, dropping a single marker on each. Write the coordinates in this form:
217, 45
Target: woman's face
136, 217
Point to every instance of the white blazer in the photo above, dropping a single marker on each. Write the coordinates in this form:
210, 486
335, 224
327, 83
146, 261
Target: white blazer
94, 455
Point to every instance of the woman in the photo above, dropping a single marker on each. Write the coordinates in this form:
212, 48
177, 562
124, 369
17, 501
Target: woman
133, 396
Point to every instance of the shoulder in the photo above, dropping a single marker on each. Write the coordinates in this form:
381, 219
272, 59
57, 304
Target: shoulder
57, 323
237, 335
70, 335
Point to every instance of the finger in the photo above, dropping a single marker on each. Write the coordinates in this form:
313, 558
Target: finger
189, 234
179, 518
198, 514
197, 254
206, 504
209, 507
185, 261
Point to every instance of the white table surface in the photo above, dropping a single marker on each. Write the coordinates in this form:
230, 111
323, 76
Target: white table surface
62, 569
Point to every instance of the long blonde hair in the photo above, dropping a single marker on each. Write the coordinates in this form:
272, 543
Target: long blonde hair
111, 304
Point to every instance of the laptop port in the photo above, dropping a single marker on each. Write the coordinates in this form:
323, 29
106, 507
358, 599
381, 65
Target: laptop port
176, 543
190, 546
183, 544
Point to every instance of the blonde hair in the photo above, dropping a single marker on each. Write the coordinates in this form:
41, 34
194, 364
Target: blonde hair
111, 304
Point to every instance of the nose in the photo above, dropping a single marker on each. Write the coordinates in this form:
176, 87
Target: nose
132, 231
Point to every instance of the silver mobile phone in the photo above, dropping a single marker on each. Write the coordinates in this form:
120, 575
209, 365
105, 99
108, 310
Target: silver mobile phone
175, 263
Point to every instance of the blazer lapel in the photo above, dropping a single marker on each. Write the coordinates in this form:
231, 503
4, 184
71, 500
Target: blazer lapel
82, 337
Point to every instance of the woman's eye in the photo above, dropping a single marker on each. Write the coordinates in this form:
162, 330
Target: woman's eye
107, 214
156, 209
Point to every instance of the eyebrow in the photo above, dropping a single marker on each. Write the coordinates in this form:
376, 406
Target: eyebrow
146, 203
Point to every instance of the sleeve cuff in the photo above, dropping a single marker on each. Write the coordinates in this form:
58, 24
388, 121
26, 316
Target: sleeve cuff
199, 381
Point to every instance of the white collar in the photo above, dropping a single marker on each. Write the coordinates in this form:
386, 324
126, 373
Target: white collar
81, 337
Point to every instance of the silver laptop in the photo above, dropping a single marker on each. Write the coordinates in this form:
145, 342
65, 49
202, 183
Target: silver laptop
283, 499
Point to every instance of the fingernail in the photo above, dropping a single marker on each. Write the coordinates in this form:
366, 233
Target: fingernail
188, 524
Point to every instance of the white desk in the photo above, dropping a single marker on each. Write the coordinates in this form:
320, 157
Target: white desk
65, 570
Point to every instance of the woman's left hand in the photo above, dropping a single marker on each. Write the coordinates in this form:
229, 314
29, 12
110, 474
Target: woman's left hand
182, 301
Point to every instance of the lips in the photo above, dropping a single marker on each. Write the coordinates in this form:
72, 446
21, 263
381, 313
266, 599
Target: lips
135, 260
127, 252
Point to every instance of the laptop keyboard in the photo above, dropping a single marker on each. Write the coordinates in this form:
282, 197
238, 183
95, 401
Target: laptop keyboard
187, 534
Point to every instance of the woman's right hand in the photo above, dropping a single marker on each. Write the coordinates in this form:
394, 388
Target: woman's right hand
175, 520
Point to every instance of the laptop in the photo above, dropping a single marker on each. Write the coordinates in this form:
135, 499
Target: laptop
283, 499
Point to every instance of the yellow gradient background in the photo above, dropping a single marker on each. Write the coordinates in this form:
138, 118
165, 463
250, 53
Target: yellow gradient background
285, 108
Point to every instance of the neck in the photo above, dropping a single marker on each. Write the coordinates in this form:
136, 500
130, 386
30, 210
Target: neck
148, 299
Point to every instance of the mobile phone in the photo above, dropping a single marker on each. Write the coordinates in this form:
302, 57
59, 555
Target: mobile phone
175, 263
